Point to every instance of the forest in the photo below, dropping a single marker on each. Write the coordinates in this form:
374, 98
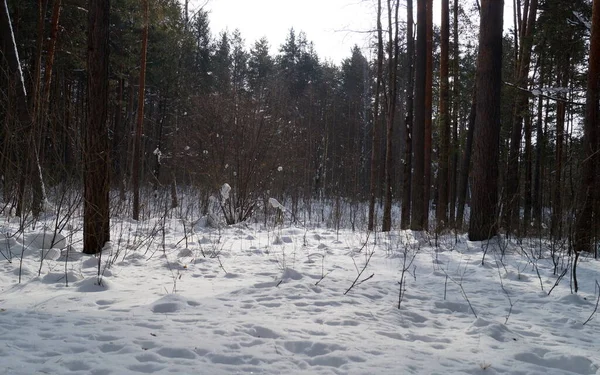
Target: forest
180, 107
179, 199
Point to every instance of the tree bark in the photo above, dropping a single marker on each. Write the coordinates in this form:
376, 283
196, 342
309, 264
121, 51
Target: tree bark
463, 182
35, 133
96, 221
556, 220
455, 108
444, 158
407, 162
137, 146
393, 50
428, 111
528, 169
375, 124
588, 215
483, 223
417, 220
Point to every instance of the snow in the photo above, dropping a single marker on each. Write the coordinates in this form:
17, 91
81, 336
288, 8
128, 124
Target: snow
275, 204
584, 21
225, 189
270, 300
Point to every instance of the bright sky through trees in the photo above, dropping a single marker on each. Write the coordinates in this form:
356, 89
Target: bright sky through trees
334, 26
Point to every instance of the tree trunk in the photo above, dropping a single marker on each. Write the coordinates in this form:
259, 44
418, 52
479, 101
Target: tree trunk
96, 220
35, 133
417, 220
375, 124
410, 56
528, 163
428, 112
556, 221
137, 146
51, 52
118, 132
444, 158
483, 223
537, 171
393, 50
455, 108
588, 214
463, 182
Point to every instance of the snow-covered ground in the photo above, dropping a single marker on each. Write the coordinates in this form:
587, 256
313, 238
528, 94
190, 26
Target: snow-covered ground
250, 299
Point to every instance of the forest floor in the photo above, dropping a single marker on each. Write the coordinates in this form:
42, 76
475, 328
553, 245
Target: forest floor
249, 299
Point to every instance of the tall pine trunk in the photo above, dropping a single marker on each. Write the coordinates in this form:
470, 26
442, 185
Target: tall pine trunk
417, 220
455, 108
588, 214
375, 124
137, 146
463, 181
96, 220
393, 50
483, 223
556, 220
428, 111
410, 56
444, 158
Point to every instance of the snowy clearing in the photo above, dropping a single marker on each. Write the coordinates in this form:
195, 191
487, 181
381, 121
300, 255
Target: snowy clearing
253, 300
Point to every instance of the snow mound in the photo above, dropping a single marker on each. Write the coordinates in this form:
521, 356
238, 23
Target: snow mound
51, 254
290, 274
496, 331
59, 278
171, 303
91, 285
45, 240
90, 262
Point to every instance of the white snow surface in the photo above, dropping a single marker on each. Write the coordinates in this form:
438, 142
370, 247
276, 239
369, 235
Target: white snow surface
234, 302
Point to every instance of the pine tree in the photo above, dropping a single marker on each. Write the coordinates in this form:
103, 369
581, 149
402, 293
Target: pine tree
96, 216
484, 223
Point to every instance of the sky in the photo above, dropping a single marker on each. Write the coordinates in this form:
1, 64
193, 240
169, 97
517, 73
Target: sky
334, 26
